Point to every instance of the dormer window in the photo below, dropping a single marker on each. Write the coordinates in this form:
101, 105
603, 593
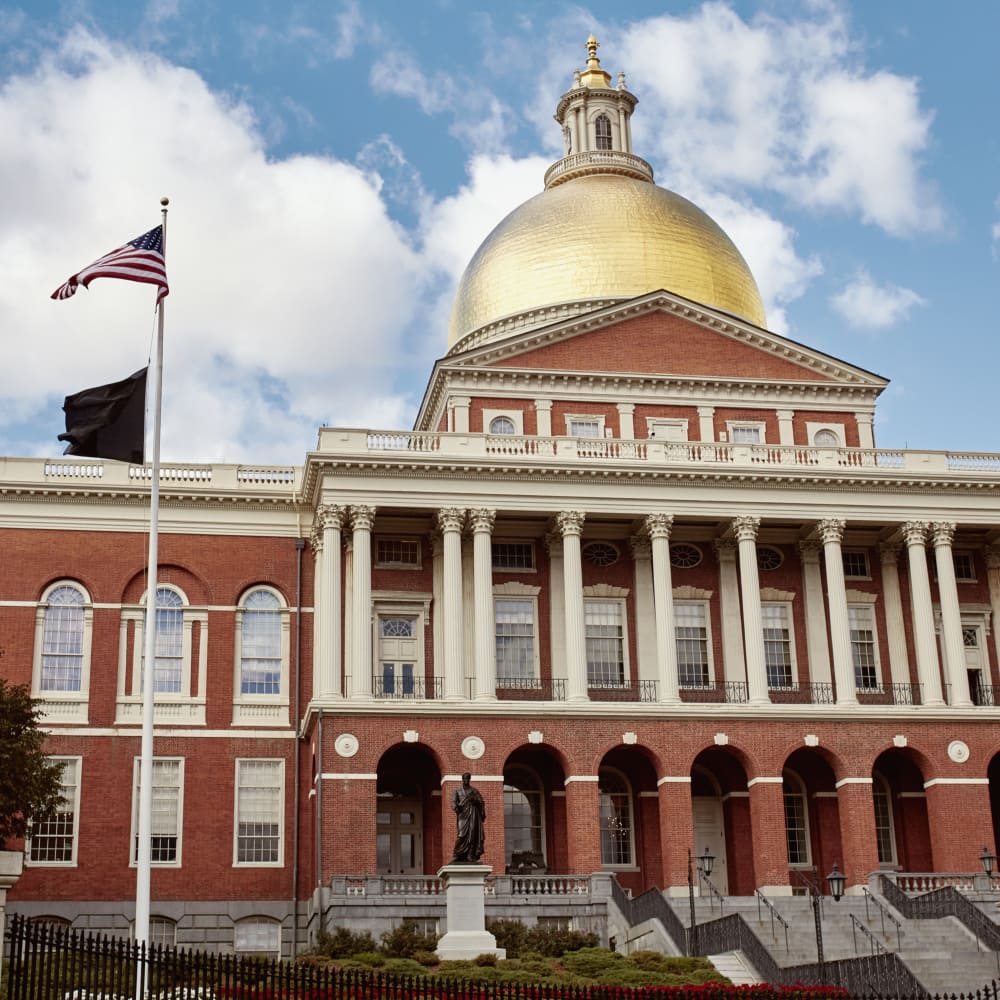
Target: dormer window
602, 132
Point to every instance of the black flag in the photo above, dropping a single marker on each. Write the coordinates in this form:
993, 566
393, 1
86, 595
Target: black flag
108, 421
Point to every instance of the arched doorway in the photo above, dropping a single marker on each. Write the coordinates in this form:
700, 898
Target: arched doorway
901, 827
534, 824
407, 828
812, 817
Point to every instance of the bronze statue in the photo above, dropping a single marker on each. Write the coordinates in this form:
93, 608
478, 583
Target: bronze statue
470, 811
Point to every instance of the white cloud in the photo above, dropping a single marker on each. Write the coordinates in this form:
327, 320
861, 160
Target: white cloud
869, 306
291, 288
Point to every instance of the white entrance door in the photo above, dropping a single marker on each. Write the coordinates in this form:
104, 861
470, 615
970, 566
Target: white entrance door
399, 837
975, 663
710, 832
398, 658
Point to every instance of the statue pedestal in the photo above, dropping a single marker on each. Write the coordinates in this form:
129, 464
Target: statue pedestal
467, 935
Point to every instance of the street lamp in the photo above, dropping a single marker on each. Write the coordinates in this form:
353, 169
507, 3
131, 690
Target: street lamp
987, 860
836, 880
705, 863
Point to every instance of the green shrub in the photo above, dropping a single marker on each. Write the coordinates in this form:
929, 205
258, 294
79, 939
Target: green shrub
403, 967
555, 942
648, 960
371, 959
511, 935
405, 940
486, 959
594, 963
426, 958
343, 943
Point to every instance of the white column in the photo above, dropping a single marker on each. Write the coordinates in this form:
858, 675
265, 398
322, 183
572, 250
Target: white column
734, 665
943, 532
578, 133
706, 423
626, 421
866, 437
658, 526
330, 610
543, 417
450, 522
746, 529
316, 541
924, 640
812, 587
786, 431
899, 664
831, 531
623, 128
485, 627
993, 577
570, 525
461, 411
645, 639
362, 518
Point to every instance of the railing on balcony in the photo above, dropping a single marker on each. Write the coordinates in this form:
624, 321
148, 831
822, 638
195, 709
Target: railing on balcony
711, 692
411, 688
531, 688
802, 693
609, 690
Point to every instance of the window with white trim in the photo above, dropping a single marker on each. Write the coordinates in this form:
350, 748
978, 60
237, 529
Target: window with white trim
259, 812
602, 132
61, 667
512, 556
397, 553
779, 648
615, 812
885, 836
796, 820
162, 931
167, 814
855, 564
663, 429
503, 422
263, 629
746, 432
691, 635
864, 646
585, 425
54, 841
604, 628
965, 567
501, 425
516, 647
826, 439
523, 812
257, 936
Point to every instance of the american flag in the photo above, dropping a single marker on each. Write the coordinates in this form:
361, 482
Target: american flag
140, 259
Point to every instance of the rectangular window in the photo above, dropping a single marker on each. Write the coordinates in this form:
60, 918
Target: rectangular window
746, 433
796, 828
53, 841
691, 631
511, 556
257, 936
965, 567
864, 651
855, 564
397, 680
778, 645
515, 639
402, 553
165, 838
605, 637
259, 812
584, 427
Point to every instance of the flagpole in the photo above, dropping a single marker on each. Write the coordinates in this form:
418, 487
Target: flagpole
145, 818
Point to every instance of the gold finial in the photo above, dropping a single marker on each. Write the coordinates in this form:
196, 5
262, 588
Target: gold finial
592, 46
593, 75
164, 201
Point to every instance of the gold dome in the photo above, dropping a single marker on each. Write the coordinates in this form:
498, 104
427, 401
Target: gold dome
596, 238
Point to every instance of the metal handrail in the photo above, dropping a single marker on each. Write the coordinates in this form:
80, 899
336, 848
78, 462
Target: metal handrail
877, 948
883, 911
713, 893
775, 915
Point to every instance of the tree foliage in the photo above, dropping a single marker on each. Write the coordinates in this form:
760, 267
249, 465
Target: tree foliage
30, 784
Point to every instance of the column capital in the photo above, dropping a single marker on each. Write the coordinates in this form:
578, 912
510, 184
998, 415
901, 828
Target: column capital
553, 544
785, 414
362, 517
626, 407
451, 519
706, 411
889, 553
543, 404
330, 515
745, 527
915, 532
943, 532
570, 522
725, 549
831, 529
992, 556
864, 417
809, 551
659, 525
482, 519
641, 547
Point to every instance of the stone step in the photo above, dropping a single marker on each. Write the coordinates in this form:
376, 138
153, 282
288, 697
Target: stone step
735, 966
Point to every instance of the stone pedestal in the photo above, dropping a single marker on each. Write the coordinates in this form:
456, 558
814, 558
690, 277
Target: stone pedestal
11, 866
467, 936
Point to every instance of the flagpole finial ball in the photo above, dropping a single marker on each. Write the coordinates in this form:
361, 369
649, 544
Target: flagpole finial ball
164, 202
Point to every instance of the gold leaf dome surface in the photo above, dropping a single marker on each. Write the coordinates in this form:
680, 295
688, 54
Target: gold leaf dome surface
597, 238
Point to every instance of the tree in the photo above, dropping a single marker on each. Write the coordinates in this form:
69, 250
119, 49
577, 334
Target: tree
30, 784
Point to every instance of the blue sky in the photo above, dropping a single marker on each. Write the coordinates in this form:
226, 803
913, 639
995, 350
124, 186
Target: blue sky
333, 166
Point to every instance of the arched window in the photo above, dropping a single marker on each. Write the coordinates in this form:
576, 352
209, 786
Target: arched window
796, 819
260, 643
523, 818
884, 835
602, 131
826, 439
615, 808
168, 667
62, 639
257, 936
502, 425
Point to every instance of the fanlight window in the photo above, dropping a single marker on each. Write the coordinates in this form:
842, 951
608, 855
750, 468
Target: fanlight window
62, 642
502, 425
684, 556
260, 664
168, 667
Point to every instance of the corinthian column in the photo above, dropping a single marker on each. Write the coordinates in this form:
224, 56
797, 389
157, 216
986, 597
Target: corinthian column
329, 610
831, 531
362, 519
746, 529
450, 523
729, 611
316, 542
570, 525
812, 588
943, 532
485, 626
915, 536
899, 667
658, 526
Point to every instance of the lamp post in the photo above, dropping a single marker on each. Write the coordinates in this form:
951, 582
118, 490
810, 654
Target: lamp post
836, 881
705, 862
984, 882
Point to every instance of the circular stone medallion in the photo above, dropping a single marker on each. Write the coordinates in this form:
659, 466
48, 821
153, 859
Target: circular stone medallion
958, 751
346, 745
473, 747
